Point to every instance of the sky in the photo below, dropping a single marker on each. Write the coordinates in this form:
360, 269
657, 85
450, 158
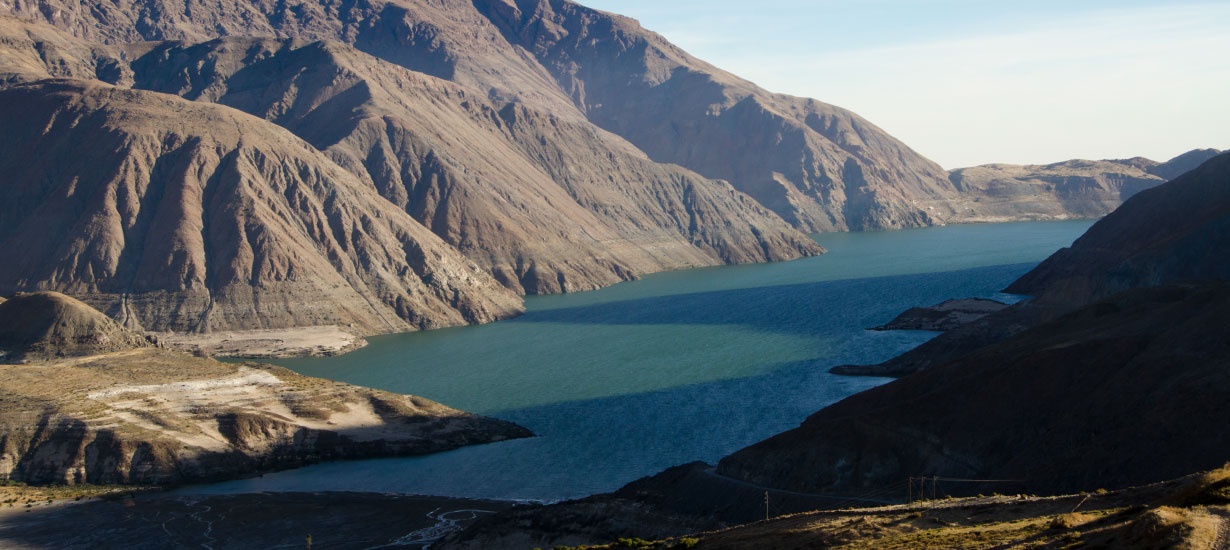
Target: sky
968, 82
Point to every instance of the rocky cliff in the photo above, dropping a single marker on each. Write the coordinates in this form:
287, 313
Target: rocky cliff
158, 417
187, 216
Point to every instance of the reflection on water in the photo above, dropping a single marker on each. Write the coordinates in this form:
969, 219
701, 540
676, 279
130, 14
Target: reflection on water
626, 381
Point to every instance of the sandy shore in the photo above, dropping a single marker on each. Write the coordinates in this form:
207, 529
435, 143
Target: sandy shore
266, 343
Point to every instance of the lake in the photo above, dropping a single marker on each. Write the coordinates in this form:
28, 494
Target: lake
626, 381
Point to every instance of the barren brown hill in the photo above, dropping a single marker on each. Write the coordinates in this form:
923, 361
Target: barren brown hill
186, 216
548, 203
50, 324
1183, 514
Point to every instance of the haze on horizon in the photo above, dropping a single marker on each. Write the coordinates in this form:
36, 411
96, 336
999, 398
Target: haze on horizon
967, 82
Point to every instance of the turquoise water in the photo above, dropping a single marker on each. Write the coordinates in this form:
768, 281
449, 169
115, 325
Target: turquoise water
626, 381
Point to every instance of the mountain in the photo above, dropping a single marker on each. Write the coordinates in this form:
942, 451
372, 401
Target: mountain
50, 324
545, 203
1105, 381
818, 166
1069, 189
192, 217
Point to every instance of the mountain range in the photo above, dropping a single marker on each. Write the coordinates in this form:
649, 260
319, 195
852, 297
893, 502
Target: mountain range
390, 165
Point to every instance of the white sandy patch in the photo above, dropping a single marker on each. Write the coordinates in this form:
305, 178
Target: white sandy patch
245, 380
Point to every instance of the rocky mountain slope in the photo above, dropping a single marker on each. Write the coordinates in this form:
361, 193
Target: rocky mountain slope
1069, 189
546, 203
818, 166
190, 217
41, 325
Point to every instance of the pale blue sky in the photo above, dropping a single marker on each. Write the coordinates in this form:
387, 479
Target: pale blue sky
971, 82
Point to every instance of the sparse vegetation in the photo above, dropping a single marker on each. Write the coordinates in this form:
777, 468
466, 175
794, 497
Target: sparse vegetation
1183, 514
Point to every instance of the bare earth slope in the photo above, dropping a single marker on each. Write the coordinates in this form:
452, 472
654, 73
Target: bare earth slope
191, 217
50, 324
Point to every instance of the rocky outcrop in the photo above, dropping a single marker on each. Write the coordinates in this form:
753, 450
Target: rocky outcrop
159, 417
944, 316
193, 217
50, 324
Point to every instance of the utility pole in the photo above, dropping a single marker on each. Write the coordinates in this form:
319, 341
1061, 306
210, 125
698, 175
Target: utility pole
909, 491
934, 480
766, 505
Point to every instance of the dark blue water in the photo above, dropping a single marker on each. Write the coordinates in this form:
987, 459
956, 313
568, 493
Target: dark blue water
626, 381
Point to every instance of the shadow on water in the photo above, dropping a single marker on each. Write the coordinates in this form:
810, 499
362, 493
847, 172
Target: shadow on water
795, 308
593, 445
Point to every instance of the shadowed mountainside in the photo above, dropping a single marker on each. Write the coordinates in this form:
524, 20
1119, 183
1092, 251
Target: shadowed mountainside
1114, 394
